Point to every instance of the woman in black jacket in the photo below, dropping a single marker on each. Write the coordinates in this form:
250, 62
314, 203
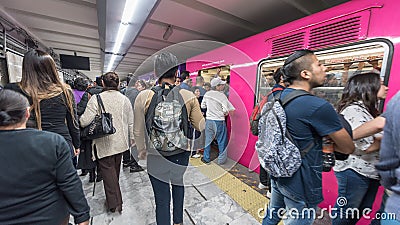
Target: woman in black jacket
46, 189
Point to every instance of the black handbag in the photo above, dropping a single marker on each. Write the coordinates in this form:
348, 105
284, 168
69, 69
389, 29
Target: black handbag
101, 126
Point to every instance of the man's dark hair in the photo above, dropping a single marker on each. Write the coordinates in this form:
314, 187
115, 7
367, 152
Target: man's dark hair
165, 65
296, 63
81, 84
185, 75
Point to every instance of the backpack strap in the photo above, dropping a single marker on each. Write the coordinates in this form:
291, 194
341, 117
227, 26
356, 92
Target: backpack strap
289, 97
149, 117
184, 114
292, 95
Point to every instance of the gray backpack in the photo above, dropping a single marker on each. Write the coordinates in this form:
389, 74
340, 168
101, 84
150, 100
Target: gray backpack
167, 120
277, 153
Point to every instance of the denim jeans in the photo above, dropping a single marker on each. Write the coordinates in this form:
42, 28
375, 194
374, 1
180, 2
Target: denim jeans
297, 211
355, 192
216, 129
388, 220
163, 172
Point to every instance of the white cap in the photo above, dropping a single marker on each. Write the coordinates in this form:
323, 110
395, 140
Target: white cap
217, 81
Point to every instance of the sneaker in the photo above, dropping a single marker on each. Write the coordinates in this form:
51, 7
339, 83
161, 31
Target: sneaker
269, 194
204, 161
196, 156
262, 186
135, 169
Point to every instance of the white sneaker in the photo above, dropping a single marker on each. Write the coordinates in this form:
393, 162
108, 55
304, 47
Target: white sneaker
269, 194
262, 186
196, 156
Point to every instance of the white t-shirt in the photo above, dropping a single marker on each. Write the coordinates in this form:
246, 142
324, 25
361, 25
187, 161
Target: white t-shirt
217, 105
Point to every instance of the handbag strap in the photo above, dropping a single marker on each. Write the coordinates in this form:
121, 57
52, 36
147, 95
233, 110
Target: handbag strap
100, 102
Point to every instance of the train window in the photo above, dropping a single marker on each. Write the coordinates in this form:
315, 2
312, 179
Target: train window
341, 64
223, 72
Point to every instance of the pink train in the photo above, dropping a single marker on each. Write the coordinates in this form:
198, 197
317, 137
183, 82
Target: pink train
358, 35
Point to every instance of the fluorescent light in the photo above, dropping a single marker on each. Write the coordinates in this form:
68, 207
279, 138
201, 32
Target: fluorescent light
110, 64
120, 37
130, 7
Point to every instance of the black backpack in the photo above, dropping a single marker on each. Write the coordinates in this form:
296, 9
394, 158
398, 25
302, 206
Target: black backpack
167, 122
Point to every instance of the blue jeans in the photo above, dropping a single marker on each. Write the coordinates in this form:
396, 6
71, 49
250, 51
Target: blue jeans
297, 211
216, 129
163, 171
389, 221
355, 192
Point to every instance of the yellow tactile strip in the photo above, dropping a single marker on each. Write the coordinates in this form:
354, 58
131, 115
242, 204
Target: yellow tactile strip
248, 198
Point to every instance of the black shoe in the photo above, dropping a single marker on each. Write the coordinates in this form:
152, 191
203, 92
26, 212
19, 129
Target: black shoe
99, 178
135, 168
204, 161
92, 175
84, 173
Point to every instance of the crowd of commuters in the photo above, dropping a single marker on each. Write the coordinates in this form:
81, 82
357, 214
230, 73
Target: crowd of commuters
43, 115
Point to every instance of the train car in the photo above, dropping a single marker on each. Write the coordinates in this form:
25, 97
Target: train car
354, 36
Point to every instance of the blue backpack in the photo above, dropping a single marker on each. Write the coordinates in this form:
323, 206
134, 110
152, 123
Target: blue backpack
277, 153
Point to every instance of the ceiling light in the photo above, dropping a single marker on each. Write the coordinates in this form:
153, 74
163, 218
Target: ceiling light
134, 16
130, 7
168, 32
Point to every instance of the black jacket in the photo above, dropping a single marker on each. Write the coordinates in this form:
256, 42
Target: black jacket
39, 184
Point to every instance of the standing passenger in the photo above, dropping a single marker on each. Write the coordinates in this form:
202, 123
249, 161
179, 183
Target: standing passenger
359, 105
109, 149
389, 165
132, 91
265, 181
309, 118
39, 184
218, 106
165, 167
52, 102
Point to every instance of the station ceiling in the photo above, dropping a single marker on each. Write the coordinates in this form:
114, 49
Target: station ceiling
80, 26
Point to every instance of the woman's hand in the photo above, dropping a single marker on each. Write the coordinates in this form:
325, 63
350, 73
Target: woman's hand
142, 155
76, 151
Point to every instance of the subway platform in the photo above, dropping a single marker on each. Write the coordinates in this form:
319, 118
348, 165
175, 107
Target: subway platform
213, 196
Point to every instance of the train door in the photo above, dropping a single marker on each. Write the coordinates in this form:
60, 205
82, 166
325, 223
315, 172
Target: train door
342, 63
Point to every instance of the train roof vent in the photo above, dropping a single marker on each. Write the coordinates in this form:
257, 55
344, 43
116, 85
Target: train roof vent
338, 32
286, 44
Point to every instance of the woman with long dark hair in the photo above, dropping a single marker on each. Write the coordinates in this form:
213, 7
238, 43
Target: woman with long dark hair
109, 149
52, 102
39, 184
357, 177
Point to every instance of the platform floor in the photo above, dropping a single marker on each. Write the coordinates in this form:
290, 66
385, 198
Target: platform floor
212, 197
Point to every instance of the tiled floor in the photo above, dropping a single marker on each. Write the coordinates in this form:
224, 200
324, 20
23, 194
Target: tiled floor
204, 204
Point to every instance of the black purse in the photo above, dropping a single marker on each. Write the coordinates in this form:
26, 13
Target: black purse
101, 125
